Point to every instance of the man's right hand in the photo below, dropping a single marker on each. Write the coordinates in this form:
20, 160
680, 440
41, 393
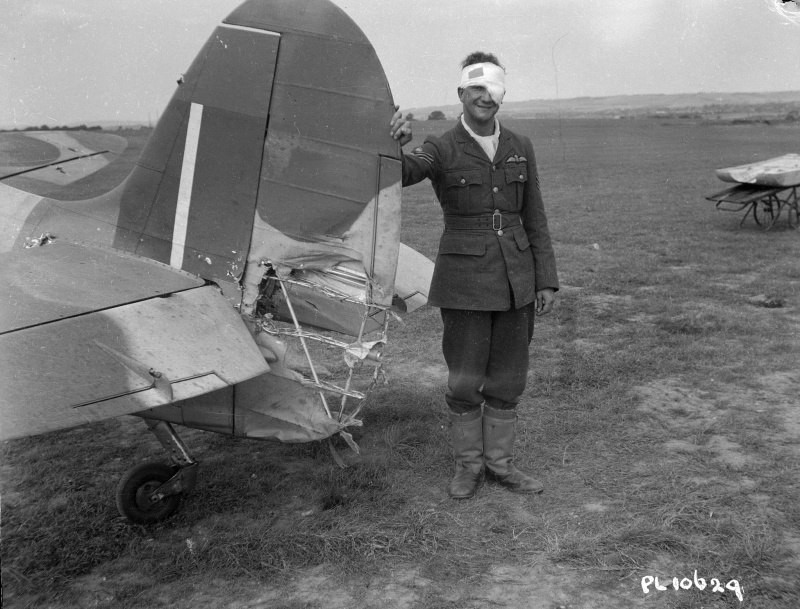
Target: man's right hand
400, 128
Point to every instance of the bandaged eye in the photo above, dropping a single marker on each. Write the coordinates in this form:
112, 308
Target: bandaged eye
487, 76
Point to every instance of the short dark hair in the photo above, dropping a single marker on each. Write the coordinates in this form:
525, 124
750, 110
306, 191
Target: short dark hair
481, 57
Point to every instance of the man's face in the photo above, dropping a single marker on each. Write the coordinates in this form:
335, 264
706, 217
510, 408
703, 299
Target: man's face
478, 104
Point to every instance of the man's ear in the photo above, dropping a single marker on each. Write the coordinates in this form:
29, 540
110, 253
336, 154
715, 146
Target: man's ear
460, 92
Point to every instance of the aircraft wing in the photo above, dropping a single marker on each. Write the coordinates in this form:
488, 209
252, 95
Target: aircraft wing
88, 333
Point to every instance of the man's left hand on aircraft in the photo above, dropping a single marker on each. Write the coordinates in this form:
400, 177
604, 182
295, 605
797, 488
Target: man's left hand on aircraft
544, 301
400, 128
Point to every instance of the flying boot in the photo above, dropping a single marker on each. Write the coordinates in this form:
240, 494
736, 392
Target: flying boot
498, 450
466, 432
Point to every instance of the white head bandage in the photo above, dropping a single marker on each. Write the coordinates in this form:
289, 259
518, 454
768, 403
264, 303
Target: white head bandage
488, 75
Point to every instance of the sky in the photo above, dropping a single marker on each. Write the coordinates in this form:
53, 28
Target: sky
73, 61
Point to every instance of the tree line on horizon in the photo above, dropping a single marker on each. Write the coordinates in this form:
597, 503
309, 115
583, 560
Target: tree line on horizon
57, 128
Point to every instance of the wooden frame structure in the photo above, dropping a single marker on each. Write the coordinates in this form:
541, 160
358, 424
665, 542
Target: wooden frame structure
764, 203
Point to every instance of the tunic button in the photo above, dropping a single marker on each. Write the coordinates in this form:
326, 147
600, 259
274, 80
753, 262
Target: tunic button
463, 181
521, 176
500, 233
495, 189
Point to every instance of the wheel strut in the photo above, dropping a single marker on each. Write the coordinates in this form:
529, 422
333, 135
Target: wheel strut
151, 492
185, 478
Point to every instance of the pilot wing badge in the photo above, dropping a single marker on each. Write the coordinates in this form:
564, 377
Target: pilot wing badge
243, 278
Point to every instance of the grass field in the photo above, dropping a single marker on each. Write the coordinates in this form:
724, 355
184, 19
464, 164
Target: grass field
661, 414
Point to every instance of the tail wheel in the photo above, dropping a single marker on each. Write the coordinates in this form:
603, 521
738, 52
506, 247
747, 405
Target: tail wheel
135, 489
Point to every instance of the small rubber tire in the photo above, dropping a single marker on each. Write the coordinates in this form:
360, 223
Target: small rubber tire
134, 489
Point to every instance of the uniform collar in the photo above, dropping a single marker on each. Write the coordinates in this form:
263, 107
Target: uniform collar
472, 147
495, 133
488, 143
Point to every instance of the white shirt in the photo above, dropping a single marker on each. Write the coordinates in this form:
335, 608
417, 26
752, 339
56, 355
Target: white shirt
489, 143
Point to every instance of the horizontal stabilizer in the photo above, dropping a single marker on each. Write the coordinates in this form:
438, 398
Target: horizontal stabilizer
154, 336
413, 281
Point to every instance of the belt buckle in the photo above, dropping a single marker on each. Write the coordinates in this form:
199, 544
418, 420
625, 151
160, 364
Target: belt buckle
497, 220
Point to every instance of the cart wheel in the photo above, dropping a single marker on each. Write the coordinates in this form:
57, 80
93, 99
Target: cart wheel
133, 494
763, 213
793, 216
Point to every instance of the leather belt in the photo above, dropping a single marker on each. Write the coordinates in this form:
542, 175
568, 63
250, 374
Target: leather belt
497, 221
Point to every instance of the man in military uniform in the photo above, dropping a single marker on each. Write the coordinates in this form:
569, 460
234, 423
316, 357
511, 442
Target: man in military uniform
495, 269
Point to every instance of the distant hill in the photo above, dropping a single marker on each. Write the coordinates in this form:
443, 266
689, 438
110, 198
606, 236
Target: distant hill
721, 106
705, 105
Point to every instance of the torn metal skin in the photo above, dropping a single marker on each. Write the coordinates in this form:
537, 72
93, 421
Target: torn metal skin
318, 382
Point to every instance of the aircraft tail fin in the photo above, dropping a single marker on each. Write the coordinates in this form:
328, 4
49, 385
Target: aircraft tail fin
275, 148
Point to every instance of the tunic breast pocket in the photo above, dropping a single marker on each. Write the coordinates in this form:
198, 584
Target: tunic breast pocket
516, 178
462, 190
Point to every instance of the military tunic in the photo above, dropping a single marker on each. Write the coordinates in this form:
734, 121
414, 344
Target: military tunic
495, 249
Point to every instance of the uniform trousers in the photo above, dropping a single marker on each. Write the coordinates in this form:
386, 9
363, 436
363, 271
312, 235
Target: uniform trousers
487, 357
